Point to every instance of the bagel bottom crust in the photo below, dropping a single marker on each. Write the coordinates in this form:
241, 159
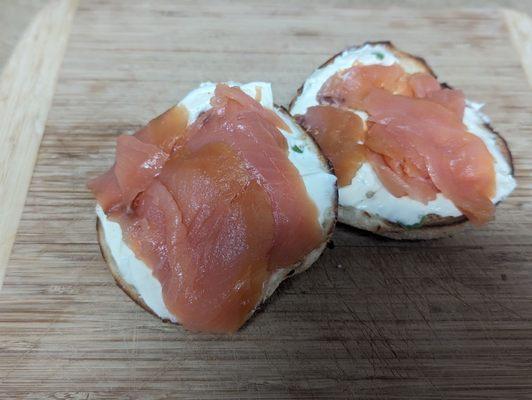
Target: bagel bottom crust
436, 229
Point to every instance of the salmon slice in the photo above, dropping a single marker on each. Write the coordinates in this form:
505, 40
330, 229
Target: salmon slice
349, 87
154, 230
426, 86
139, 158
259, 143
213, 208
106, 191
458, 162
399, 183
422, 84
226, 253
399, 165
137, 164
224, 93
451, 99
166, 129
339, 133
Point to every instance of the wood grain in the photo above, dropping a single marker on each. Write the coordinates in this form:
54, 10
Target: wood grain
26, 89
372, 319
15, 18
520, 27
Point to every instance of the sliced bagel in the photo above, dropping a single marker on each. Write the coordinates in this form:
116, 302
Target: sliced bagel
135, 277
365, 203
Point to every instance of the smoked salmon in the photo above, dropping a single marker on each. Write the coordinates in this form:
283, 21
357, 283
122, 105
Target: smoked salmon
349, 87
214, 208
340, 135
414, 138
234, 121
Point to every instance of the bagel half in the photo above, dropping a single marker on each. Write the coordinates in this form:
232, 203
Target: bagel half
420, 223
135, 277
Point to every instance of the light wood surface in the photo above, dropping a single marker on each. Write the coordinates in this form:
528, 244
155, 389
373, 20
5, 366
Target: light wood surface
15, 17
27, 86
520, 28
372, 319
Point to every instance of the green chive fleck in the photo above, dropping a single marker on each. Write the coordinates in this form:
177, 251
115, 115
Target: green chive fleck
297, 149
379, 55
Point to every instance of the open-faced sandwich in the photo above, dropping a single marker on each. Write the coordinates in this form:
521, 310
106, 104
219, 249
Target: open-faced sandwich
212, 204
414, 158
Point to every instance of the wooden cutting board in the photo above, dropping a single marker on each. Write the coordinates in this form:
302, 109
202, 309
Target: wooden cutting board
373, 318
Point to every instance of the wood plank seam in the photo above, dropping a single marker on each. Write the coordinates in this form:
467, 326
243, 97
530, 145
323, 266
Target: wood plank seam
27, 85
